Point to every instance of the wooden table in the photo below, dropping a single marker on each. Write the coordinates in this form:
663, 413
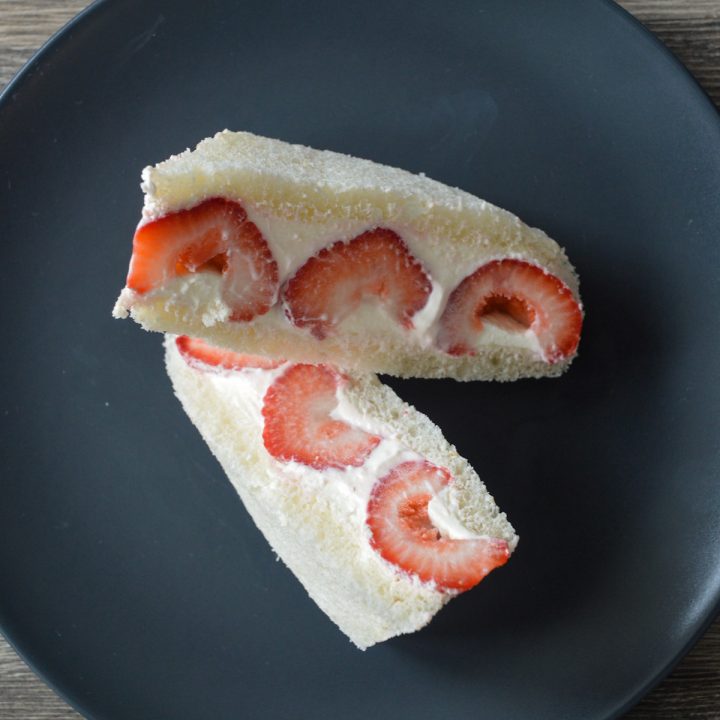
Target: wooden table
691, 29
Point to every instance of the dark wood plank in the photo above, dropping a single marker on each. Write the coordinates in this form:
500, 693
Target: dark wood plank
23, 696
691, 29
26, 24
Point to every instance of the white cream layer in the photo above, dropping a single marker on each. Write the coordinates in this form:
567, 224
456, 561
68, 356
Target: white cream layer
200, 293
292, 242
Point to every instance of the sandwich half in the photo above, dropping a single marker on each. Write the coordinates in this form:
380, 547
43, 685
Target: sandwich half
356, 491
280, 250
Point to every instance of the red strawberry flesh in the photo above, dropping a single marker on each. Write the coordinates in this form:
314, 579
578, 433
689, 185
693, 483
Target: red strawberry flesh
298, 425
376, 265
515, 296
199, 354
214, 236
403, 534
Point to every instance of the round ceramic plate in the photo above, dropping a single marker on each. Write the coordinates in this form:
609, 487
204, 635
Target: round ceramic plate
131, 577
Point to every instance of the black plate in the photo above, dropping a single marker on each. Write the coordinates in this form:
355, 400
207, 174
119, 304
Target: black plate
130, 575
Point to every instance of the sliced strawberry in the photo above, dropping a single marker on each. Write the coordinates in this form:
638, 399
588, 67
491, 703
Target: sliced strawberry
214, 236
401, 530
197, 353
514, 296
298, 425
375, 265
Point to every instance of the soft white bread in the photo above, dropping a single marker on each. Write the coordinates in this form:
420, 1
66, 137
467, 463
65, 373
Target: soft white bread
303, 200
310, 518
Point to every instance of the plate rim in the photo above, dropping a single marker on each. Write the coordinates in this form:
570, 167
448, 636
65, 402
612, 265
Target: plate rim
60, 36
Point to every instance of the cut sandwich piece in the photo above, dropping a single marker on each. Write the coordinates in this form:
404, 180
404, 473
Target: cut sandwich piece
358, 493
279, 250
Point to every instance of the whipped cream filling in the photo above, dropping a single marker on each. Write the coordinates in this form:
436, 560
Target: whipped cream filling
442, 517
199, 294
350, 487
292, 242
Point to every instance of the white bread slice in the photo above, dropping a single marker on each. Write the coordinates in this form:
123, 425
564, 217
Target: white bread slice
303, 200
310, 518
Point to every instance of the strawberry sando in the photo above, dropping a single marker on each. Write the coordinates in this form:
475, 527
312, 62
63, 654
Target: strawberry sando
280, 250
357, 492
290, 277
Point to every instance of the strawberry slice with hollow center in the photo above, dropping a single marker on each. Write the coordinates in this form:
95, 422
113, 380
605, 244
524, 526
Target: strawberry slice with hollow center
515, 296
298, 426
214, 236
401, 530
199, 354
376, 265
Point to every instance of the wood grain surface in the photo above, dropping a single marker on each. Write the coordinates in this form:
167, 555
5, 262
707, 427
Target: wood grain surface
691, 29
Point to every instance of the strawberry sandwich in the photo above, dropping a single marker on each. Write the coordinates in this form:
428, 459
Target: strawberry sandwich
280, 250
359, 493
284, 278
